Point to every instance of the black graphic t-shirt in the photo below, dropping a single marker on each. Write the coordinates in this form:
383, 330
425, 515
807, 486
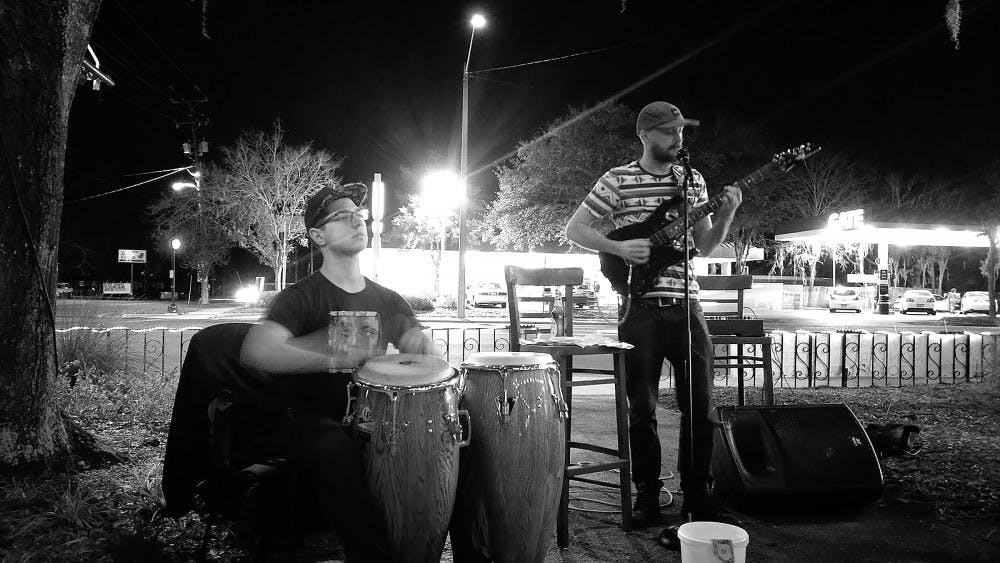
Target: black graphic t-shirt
305, 308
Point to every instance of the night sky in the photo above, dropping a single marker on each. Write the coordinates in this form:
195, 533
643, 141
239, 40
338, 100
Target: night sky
379, 83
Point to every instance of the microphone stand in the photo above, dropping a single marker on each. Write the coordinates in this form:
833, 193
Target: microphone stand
682, 155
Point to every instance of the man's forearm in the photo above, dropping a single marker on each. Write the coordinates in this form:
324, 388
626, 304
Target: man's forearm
715, 235
590, 238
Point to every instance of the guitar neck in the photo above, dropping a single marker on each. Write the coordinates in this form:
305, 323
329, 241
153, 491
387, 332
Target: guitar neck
677, 227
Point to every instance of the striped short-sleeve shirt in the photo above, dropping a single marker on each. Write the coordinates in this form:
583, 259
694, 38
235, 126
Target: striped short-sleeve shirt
628, 194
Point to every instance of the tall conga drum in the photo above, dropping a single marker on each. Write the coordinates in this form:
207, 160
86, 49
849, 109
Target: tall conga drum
404, 408
512, 471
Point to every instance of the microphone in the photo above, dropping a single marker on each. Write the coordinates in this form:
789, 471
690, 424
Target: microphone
685, 158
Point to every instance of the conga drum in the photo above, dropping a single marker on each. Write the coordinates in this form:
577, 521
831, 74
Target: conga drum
512, 471
404, 409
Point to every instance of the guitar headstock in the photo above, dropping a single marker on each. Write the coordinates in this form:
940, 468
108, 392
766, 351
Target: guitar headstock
786, 160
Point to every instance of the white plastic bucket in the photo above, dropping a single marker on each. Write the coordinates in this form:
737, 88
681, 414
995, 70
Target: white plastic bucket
699, 542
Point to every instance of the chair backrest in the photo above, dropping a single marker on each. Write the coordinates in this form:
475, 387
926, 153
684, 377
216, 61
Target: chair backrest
731, 300
566, 278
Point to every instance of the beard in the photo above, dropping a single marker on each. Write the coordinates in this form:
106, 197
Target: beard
666, 155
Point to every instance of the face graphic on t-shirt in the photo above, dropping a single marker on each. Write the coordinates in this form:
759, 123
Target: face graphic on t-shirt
355, 336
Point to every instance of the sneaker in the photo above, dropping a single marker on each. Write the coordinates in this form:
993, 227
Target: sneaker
646, 510
668, 538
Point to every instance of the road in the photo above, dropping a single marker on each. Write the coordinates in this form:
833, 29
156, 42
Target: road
145, 314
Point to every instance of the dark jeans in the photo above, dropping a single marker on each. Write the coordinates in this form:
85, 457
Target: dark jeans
332, 462
658, 334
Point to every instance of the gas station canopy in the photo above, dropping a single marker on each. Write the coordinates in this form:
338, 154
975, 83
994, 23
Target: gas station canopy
855, 226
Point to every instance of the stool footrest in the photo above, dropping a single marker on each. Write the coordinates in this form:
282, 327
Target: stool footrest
599, 371
589, 382
593, 448
573, 470
596, 482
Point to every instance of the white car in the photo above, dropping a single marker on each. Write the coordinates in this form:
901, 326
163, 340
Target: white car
491, 294
917, 300
845, 299
975, 301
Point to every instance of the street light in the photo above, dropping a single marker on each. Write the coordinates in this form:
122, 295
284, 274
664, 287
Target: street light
476, 22
175, 244
440, 190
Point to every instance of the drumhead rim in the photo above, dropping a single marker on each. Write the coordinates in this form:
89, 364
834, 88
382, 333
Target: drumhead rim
450, 381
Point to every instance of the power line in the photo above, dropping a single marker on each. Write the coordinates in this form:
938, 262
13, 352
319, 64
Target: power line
158, 48
553, 59
174, 171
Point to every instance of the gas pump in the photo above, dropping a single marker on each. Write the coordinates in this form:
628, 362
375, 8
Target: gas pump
883, 291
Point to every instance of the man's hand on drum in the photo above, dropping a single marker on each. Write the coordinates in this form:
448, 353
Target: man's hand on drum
414, 341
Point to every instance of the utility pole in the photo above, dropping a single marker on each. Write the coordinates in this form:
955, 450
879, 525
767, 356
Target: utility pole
195, 147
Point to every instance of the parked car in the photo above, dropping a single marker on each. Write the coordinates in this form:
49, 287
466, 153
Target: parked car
63, 290
584, 296
845, 299
975, 301
491, 294
917, 300
941, 304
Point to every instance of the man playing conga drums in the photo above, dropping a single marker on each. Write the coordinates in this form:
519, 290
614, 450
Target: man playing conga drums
294, 343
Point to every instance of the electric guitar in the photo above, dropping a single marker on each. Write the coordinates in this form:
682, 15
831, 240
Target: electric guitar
667, 237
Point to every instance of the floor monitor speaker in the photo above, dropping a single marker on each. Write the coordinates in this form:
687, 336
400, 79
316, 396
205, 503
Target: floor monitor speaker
794, 454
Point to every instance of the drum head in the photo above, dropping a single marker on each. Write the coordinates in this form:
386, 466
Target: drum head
507, 359
404, 370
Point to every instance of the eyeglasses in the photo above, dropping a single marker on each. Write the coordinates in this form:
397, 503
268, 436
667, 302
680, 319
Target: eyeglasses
345, 215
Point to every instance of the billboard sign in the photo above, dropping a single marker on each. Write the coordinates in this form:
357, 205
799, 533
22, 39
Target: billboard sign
131, 256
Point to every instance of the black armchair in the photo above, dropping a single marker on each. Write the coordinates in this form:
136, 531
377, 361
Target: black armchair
230, 446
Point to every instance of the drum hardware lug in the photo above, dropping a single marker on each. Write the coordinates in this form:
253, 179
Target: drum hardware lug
561, 405
349, 415
430, 425
462, 432
505, 405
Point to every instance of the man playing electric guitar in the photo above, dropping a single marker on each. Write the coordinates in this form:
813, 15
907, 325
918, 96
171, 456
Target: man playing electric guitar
655, 322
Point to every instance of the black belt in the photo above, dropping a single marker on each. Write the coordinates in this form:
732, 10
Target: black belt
661, 301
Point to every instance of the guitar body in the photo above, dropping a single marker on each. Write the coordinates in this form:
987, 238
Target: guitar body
643, 275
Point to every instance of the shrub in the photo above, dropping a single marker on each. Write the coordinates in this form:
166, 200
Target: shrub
266, 297
445, 302
419, 303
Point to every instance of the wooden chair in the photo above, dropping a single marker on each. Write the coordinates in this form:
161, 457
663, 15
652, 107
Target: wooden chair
564, 355
729, 328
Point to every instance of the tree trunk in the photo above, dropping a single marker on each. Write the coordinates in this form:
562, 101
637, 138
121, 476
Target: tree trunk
991, 268
42, 45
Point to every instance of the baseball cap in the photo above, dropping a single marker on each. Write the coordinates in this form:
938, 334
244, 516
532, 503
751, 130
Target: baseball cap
661, 114
319, 203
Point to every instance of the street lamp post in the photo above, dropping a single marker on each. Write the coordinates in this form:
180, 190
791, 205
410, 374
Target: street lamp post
477, 21
175, 245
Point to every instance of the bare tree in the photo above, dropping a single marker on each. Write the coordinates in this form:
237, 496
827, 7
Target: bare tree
42, 46
822, 185
262, 187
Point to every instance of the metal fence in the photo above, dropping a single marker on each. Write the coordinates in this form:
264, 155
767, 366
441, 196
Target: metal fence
799, 359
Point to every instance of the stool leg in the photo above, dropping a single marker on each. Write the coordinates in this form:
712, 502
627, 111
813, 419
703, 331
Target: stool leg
562, 520
621, 409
